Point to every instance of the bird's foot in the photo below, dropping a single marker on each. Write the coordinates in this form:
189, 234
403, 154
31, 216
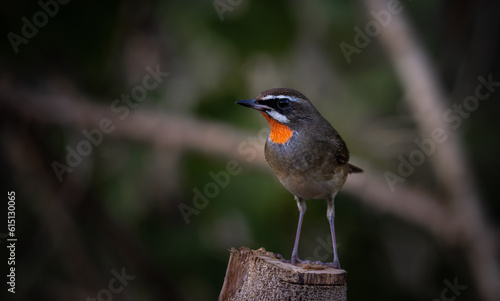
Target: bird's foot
308, 264
295, 259
335, 264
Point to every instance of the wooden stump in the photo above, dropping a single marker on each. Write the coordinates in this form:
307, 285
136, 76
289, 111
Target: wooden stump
261, 275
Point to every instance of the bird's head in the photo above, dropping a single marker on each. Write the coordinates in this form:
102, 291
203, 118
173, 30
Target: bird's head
286, 110
286, 106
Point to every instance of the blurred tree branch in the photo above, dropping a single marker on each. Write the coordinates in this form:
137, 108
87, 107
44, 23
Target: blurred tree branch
59, 206
427, 102
168, 130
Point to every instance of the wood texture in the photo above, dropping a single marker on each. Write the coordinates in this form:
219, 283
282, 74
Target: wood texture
262, 275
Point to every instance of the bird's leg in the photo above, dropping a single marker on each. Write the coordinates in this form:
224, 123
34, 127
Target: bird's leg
301, 203
330, 214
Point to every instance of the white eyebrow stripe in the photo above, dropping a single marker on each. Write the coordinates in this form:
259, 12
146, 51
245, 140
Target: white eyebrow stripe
291, 98
277, 116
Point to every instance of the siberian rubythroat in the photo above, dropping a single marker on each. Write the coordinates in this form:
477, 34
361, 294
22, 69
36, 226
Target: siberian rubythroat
305, 152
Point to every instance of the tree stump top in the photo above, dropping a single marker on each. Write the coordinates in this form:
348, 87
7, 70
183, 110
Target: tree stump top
262, 275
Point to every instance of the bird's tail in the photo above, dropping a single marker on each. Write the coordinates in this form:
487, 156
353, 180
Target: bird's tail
354, 169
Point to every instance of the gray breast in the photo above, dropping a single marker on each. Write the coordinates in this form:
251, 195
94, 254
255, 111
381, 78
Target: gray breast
308, 171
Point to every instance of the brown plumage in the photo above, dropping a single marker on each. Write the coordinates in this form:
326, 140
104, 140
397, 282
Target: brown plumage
306, 153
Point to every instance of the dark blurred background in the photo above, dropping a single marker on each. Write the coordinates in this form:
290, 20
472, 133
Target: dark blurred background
119, 216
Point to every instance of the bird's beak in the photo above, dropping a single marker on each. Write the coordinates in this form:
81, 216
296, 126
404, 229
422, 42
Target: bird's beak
252, 103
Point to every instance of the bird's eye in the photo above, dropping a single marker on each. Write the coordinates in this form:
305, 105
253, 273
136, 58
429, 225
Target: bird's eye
283, 103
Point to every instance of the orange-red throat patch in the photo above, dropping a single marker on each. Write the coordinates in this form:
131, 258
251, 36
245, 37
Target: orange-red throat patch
280, 133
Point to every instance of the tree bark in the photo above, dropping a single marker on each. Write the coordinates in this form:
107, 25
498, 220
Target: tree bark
261, 275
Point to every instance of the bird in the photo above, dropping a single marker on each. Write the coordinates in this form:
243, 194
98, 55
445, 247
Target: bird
306, 153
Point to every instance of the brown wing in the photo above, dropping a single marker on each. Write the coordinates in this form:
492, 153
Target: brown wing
342, 153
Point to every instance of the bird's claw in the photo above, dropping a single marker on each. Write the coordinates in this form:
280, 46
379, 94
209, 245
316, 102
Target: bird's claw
308, 264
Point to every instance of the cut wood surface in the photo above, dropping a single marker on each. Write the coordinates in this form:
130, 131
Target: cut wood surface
262, 275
